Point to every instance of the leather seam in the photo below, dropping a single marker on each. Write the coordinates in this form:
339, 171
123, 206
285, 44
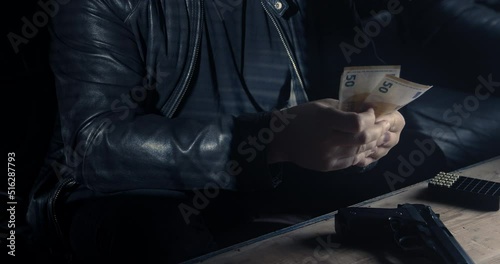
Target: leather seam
91, 141
134, 10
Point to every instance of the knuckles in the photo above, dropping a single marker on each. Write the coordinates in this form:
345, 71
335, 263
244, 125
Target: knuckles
364, 163
362, 137
357, 122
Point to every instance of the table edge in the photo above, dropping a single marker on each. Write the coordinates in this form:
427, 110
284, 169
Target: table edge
318, 219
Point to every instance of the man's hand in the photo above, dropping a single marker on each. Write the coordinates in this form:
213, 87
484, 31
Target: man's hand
391, 137
323, 138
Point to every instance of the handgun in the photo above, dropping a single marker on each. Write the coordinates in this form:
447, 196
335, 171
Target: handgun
414, 228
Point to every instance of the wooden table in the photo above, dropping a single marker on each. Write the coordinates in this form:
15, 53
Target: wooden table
315, 241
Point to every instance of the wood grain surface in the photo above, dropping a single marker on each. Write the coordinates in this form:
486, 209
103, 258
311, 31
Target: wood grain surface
315, 241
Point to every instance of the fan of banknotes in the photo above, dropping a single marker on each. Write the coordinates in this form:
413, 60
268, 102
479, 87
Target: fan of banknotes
378, 87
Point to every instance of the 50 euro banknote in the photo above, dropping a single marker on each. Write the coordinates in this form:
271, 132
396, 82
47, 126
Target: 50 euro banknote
392, 93
357, 83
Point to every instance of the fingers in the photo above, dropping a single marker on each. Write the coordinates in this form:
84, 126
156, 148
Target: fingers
348, 122
351, 122
351, 151
332, 139
349, 128
356, 146
389, 139
365, 162
391, 124
361, 159
370, 134
385, 139
396, 120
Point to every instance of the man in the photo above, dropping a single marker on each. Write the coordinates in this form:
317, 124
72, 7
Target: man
169, 107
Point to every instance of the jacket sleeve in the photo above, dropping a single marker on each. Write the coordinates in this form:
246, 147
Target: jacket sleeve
114, 142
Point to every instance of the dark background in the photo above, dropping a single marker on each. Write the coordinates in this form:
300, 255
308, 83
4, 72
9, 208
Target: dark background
29, 107
29, 100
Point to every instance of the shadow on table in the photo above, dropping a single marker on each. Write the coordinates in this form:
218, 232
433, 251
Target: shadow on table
330, 248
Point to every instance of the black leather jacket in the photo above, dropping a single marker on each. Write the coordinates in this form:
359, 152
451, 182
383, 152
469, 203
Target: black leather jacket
106, 53
122, 68
119, 88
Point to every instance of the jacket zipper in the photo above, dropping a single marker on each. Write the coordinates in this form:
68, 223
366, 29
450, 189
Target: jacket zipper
180, 95
285, 44
52, 203
70, 182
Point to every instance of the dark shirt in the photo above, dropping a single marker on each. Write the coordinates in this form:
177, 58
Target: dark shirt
239, 52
